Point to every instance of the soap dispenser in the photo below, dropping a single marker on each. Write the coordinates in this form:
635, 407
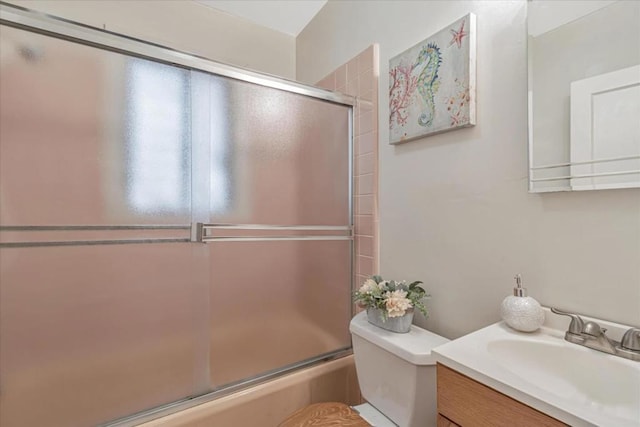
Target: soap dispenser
521, 312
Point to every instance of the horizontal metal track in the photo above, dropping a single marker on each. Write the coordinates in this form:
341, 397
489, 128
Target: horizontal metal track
94, 227
91, 242
23, 18
225, 390
203, 237
588, 175
277, 227
270, 238
586, 162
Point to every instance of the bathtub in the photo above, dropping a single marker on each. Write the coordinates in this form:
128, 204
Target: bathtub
269, 403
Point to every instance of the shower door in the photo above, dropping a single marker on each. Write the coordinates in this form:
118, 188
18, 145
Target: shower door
278, 228
167, 234
102, 294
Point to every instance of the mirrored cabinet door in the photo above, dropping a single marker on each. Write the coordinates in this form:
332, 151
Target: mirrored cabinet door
584, 95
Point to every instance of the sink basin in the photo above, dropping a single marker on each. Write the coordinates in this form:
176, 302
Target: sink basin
575, 384
602, 382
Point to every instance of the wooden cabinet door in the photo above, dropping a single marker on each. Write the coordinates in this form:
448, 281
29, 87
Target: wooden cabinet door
468, 403
445, 422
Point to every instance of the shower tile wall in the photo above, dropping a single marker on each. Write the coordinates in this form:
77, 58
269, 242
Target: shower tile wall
359, 78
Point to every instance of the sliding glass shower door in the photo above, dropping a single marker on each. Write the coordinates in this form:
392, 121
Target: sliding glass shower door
164, 232
101, 311
279, 215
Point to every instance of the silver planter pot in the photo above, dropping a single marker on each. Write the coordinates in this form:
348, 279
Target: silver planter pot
401, 325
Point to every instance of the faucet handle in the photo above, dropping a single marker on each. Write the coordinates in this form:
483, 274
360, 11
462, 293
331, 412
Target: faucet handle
577, 324
593, 329
631, 340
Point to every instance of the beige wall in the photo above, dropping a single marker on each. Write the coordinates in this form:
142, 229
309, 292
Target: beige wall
454, 208
183, 25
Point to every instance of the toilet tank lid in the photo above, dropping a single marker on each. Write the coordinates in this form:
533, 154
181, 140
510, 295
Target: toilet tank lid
415, 346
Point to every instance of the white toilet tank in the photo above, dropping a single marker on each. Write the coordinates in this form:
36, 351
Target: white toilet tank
396, 372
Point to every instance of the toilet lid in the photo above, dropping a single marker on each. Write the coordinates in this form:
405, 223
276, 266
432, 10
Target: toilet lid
414, 347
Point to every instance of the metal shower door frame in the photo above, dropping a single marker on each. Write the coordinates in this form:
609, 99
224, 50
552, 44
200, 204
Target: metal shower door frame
61, 28
25, 19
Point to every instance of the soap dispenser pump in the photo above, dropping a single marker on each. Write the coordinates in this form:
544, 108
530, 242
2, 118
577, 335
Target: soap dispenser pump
520, 311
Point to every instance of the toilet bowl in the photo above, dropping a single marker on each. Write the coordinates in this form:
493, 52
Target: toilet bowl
396, 373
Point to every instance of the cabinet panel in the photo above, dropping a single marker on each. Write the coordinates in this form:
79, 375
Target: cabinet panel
469, 403
445, 422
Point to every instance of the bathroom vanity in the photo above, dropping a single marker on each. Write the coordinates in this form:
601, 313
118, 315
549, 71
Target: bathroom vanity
471, 403
496, 375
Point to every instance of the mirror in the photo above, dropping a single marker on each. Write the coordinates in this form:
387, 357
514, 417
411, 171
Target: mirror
584, 94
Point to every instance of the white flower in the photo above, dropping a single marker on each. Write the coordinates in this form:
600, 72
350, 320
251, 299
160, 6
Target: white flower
383, 285
397, 303
368, 286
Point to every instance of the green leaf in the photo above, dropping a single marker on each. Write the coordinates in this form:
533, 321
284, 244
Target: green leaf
415, 284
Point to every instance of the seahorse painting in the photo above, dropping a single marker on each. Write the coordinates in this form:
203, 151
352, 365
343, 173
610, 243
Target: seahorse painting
428, 61
402, 87
432, 84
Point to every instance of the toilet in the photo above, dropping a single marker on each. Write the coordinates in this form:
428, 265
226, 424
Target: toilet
397, 374
397, 377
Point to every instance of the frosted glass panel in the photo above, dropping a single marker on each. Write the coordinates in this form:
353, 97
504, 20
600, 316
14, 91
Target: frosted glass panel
100, 150
283, 158
276, 303
89, 136
157, 140
91, 334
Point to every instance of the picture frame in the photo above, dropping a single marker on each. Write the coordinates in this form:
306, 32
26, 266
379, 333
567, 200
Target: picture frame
432, 85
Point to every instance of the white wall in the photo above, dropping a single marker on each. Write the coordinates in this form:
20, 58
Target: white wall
183, 25
454, 208
545, 15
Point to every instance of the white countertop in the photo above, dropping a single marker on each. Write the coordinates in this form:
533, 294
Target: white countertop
575, 384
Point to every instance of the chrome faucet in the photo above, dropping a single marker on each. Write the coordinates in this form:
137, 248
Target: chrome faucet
591, 335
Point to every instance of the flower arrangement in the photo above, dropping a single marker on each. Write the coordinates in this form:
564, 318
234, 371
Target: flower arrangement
393, 298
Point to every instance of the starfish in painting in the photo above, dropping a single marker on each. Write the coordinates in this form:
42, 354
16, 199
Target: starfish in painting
458, 35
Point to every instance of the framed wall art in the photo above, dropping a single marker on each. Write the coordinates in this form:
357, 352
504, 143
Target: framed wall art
432, 84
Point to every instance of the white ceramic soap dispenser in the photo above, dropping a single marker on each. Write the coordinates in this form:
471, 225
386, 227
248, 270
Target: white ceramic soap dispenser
521, 312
